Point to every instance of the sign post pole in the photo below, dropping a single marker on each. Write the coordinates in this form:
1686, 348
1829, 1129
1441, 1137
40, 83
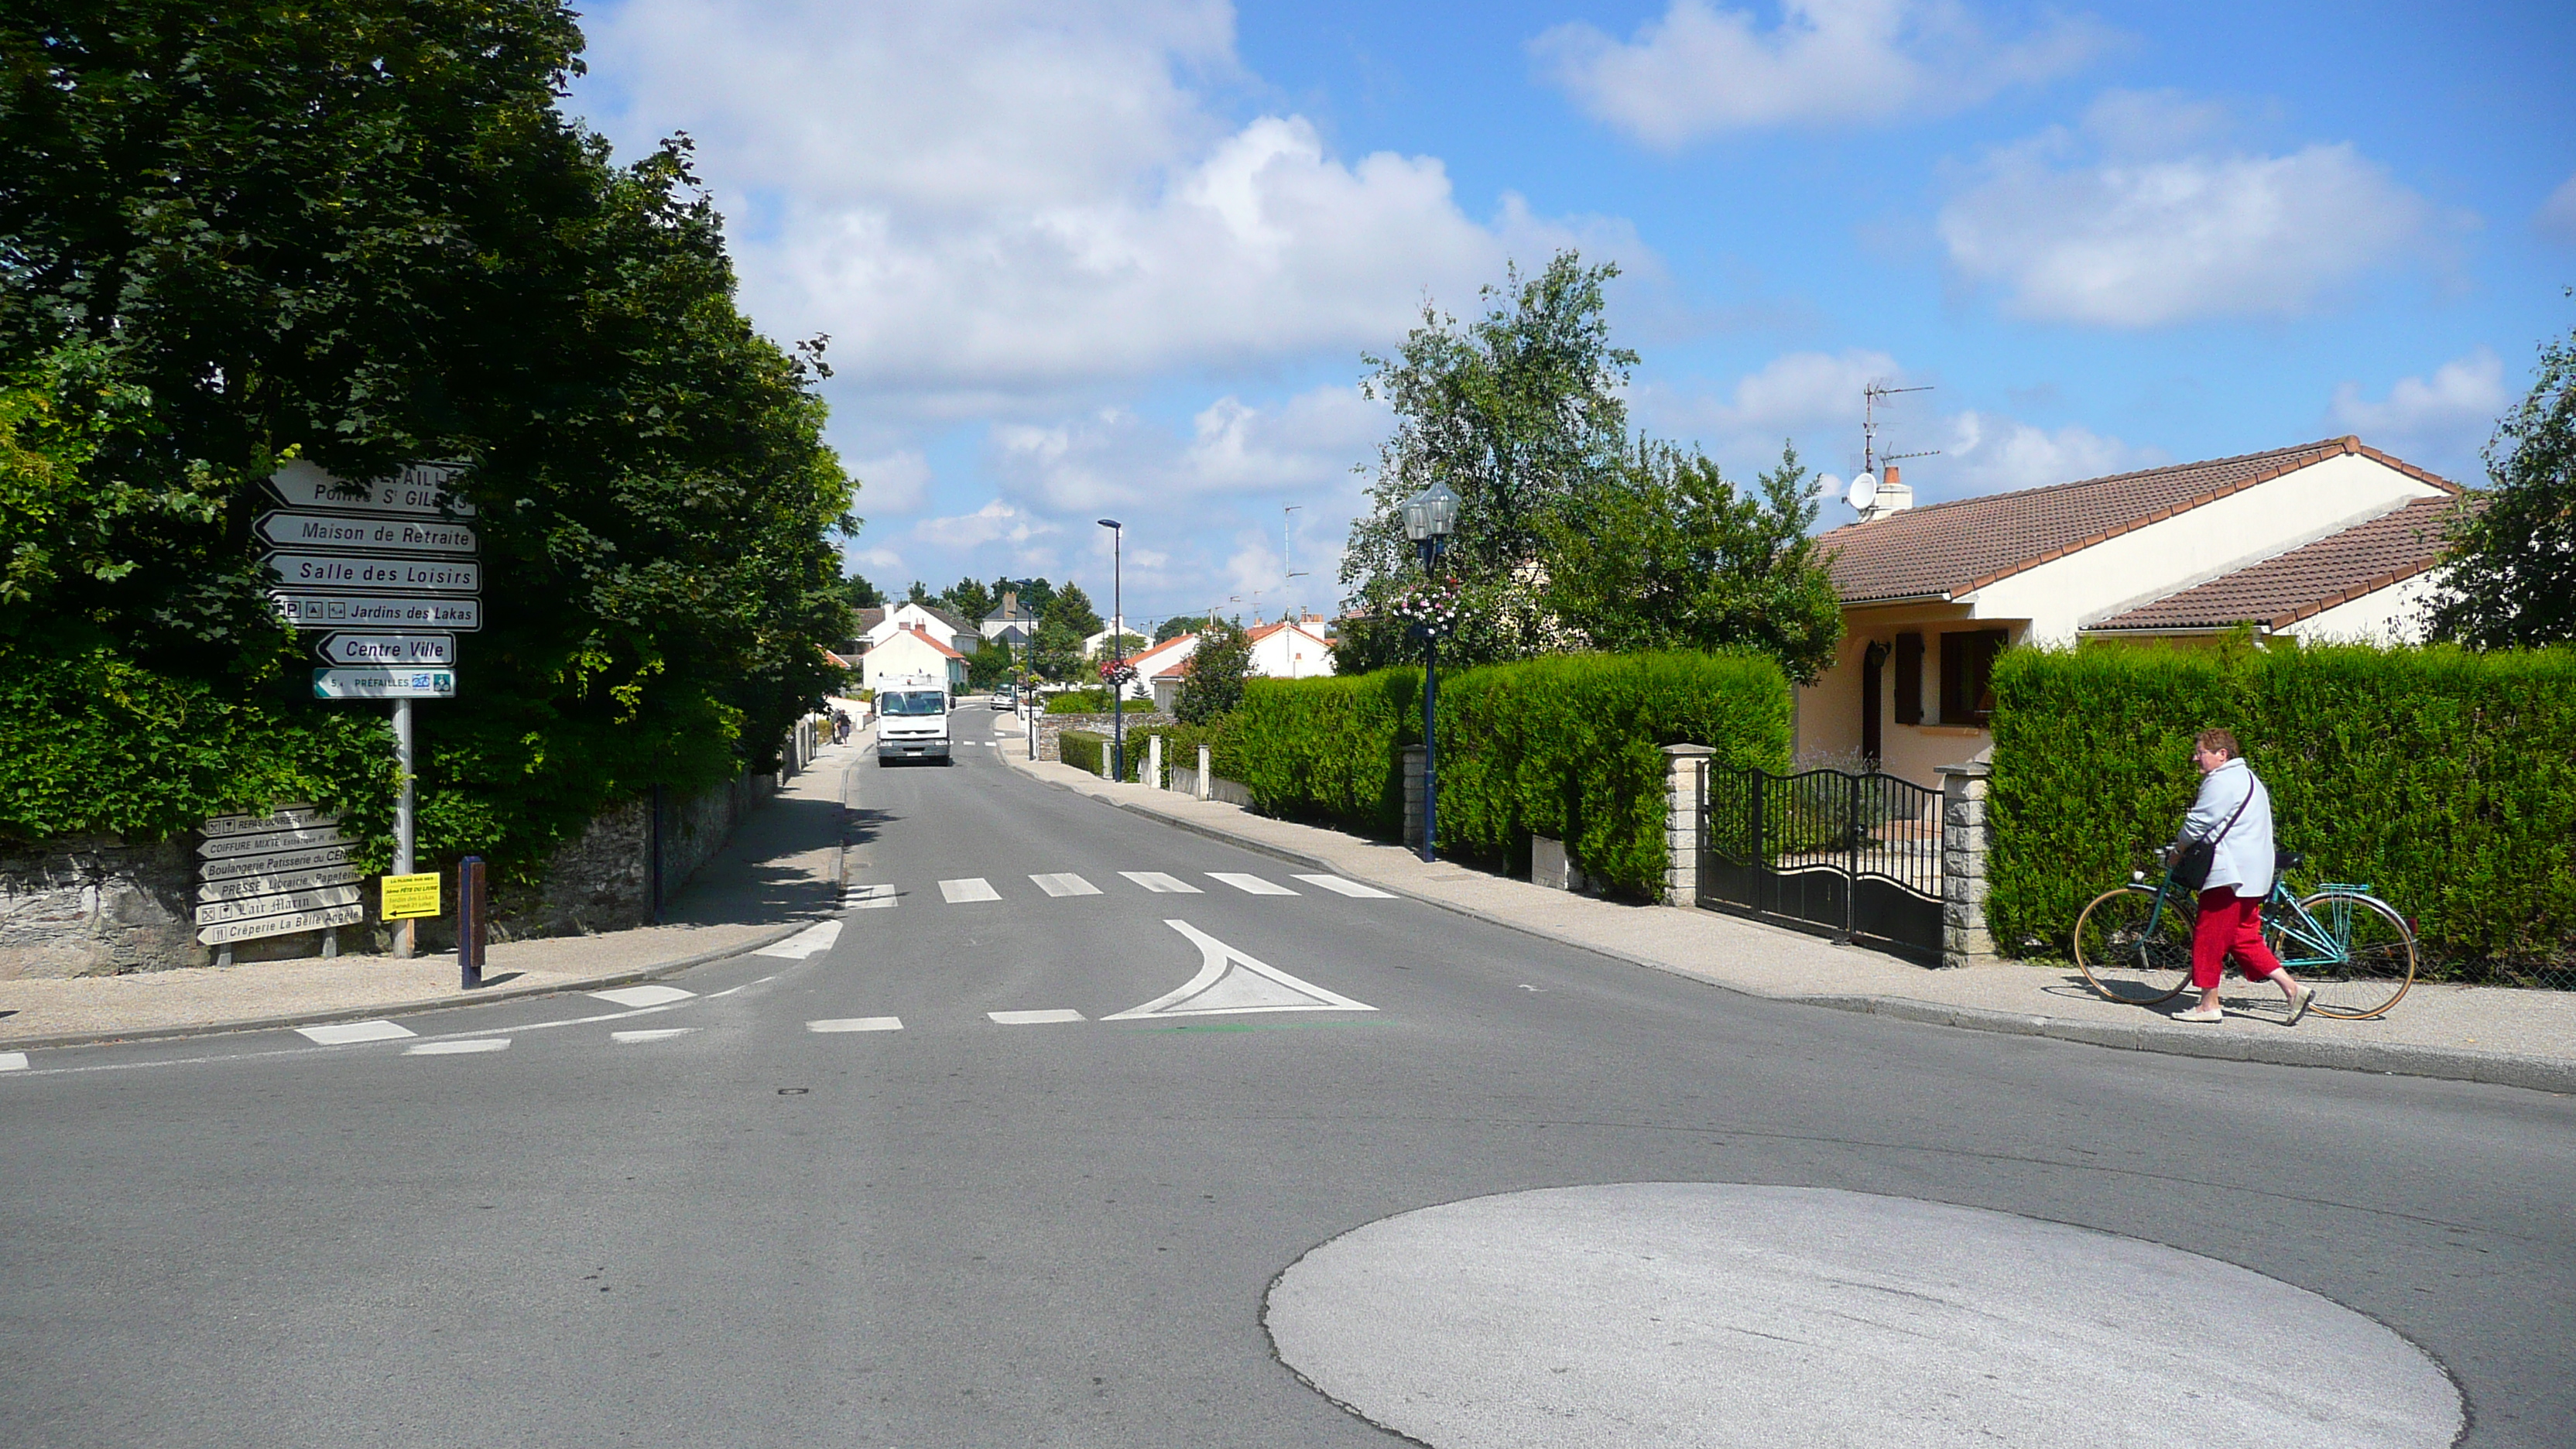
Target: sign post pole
402, 817
470, 903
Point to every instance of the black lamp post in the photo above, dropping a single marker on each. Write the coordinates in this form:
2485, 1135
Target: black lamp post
1430, 516
1027, 676
1117, 649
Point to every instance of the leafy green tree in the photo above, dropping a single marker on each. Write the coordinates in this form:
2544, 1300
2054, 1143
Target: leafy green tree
1180, 624
1126, 642
988, 667
1035, 594
2511, 569
1072, 608
858, 593
1218, 667
920, 593
1513, 412
968, 600
365, 236
1056, 652
1666, 554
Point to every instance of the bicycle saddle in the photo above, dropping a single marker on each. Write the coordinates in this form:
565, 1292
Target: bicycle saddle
2287, 860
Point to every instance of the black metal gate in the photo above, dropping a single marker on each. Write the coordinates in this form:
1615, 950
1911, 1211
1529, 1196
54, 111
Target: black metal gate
1855, 857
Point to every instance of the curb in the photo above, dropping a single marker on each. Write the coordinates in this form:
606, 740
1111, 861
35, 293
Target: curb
2458, 1064
392, 1008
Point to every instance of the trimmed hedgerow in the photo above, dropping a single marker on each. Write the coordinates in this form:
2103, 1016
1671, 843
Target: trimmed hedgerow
1568, 746
2445, 779
1082, 749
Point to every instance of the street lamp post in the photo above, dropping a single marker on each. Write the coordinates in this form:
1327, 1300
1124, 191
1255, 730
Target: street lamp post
1117, 649
1430, 516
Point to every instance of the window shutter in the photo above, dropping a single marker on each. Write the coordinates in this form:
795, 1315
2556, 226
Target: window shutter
1909, 679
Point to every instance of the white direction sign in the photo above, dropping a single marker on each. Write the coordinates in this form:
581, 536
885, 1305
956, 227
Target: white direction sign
393, 649
282, 817
419, 488
354, 572
292, 903
342, 532
341, 611
268, 842
281, 862
271, 882
286, 925
384, 683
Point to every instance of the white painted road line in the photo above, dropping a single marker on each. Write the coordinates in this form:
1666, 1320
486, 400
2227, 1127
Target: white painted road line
637, 1038
857, 1023
644, 995
1065, 883
1251, 885
1230, 982
1161, 884
814, 940
972, 888
1341, 887
457, 1048
341, 1033
1034, 1018
13, 1061
878, 897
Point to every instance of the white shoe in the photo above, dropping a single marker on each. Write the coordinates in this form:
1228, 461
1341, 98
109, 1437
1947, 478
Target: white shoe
2201, 1013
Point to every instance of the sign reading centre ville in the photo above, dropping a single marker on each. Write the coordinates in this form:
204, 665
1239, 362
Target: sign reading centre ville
387, 649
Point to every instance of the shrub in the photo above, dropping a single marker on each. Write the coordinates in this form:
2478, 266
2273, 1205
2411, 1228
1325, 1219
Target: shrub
1082, 749
1180, 747
2445, 779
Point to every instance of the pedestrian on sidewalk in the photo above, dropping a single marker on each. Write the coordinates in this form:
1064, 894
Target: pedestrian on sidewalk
2234, 815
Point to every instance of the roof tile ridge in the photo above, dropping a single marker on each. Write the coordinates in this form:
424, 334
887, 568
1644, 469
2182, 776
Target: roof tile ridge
2420, 475
2311, 453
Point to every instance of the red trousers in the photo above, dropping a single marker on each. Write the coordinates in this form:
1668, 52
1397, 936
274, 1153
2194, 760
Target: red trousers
2229, 925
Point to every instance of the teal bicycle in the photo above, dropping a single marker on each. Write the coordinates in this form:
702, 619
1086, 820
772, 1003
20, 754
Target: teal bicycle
2133, 943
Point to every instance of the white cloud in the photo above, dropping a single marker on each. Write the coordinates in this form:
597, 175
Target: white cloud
2556, 218
895, 483
2117, 235
2439, 422
1700, 72
994, 206
1115, 457
1987, 454
878, 560
995, 522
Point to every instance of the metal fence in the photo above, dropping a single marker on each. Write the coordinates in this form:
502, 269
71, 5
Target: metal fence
1856, 857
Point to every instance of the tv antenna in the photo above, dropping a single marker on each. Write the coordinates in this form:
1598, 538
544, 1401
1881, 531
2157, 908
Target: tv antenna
1864, 486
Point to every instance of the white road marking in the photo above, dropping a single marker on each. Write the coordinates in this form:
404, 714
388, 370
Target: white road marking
13, 1061
1341, 887
814, 940
457, 1048
1034, 1018
637, 1038
340, 1033
877, 897
1230, 982
644, 995
972, 888
857, 1023
1161, 884
1251, 885
1065, 883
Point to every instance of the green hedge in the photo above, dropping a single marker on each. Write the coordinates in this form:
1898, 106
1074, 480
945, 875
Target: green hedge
1180, 746
1092, 701
1082, 749
1568, 746
2444, 779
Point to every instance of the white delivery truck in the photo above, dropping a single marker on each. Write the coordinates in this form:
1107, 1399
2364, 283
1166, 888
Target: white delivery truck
912, 718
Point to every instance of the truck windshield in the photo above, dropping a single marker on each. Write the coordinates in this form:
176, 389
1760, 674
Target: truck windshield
927, 701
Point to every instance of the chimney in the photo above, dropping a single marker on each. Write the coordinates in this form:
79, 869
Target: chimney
1893, 496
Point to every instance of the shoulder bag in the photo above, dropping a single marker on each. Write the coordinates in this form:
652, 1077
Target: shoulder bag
2192, 865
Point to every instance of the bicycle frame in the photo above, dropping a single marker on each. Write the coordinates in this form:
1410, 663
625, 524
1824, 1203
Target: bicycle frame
2317, 943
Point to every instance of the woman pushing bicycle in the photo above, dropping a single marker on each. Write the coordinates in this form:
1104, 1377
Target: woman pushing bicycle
2227, 841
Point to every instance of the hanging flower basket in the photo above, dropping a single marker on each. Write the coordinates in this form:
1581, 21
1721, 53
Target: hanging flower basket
1430, 608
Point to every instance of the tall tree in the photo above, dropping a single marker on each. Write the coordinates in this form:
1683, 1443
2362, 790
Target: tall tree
1072, 608
968, 600
2510, 577
1513, 412
860, 594
1213, 687
1035, 594
920, 593
1666, 554
1178, 625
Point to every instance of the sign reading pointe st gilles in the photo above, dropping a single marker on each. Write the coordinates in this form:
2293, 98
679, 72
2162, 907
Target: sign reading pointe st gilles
384, 684
395, 649
419, 488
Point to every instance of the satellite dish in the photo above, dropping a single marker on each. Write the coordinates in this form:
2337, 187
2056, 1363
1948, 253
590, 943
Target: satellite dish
1864, 492
1827, 485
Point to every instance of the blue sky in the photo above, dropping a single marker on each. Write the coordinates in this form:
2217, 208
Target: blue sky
1084, 260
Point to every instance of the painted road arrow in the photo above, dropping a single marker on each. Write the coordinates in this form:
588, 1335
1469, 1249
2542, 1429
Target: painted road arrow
1230, 982
342, 611
344, 533
403, 650
298, 571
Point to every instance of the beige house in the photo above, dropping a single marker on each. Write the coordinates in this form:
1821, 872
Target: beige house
2327, 540
909, 655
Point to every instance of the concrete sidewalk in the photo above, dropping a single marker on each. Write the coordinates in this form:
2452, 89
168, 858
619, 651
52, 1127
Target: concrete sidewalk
2466, 1033
779, 873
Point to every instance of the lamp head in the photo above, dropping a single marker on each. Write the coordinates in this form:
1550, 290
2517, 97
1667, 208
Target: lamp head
1109, 523
1431, 513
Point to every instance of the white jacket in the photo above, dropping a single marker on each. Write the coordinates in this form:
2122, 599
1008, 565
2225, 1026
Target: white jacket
2244, 862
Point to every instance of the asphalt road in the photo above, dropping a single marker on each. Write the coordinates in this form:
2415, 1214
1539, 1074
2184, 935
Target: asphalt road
741, 1230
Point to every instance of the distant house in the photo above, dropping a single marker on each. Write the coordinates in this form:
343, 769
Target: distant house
2326, 540
1097, 646
1160, 670
876, 626
912, 654
1012, 625
1291, 649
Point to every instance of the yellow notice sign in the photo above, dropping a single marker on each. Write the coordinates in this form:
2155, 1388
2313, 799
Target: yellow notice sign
409, 896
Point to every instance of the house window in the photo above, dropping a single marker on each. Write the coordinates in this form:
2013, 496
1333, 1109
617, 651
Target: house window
1968, 673
1909, 679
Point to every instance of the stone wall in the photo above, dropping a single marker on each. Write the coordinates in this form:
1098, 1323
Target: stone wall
1050, 726
93, 905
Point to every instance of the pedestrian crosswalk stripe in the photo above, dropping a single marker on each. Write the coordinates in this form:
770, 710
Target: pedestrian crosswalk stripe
340, 1033
1251, 885
13, 1061
877, 897
457, 1048
1035, 1018
814, 940
1339, 886
1065, 883
972, 888
644, 995
1161, 884
638, 1038
857, 1023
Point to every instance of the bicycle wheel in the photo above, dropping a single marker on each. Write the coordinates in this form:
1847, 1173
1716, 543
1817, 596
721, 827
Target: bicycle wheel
2376, 950
2122, 959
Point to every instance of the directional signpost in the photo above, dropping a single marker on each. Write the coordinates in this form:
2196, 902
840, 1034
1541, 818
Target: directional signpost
274, 875
389, 568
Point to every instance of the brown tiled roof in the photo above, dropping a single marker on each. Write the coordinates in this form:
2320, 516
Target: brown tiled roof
2305, 582
1946, 549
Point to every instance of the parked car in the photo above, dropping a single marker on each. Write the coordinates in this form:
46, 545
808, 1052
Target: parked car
1006, 697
